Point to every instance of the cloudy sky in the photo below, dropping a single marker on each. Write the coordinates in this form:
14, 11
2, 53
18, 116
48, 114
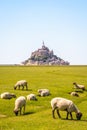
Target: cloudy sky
61, 24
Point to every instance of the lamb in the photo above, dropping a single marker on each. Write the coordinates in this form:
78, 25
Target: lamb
20, 103
79, 86
31, 97
63, 104
44, 92
21, 83
7, 95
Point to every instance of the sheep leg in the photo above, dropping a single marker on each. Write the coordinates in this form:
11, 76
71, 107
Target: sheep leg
53, 112
20, 110
24, 109
26, 87
22, 87
67, 115
58, 113
18, 86
71, 116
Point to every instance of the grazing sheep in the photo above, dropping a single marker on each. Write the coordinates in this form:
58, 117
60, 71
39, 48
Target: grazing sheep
44, 92
31, 97
7, 95
79, 86
20, 103
63, 104
21, 83
74, 94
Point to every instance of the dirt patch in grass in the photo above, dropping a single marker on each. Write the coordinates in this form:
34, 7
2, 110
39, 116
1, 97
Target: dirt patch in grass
2, 116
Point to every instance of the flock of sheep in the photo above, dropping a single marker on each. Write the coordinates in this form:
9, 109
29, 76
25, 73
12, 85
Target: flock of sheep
57, 103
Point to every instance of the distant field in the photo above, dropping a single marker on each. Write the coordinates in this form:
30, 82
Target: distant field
38, 115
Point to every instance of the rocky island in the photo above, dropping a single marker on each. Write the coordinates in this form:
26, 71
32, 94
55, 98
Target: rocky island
44, 56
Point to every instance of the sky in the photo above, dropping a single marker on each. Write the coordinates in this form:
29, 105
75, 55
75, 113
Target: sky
61, 24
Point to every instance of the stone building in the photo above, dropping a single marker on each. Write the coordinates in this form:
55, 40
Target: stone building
44, 56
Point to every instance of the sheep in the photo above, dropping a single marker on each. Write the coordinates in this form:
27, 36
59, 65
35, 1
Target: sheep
7, 95
21, 83
63, 104
44, 92
74, 94
31, 97
79, 86
20, 103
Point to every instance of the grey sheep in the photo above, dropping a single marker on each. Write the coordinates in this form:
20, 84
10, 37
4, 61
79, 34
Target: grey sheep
74, 94
21, 83
31, 97
63, 104
7, 95
20, 104
44, 92
78, 86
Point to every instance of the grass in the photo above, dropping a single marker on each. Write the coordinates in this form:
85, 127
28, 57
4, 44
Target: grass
38, 115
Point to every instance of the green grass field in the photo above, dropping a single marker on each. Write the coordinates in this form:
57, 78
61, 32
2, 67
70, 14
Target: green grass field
38, 114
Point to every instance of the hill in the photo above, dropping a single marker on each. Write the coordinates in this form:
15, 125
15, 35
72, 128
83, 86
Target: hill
44, 56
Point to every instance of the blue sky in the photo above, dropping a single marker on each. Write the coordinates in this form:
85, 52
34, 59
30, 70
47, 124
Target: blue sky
61, 24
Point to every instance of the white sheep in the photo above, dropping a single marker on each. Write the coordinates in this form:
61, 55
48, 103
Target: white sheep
74, 94
21, 83
31, 97
78, 86
63, 104
20, 103
44, 92
7, 95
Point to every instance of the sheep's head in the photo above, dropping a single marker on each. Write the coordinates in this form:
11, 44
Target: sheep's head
36, 99
14, 87
79, 115
39, 90
74, 83
13, 95
16, 112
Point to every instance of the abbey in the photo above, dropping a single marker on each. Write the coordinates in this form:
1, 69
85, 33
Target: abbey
44, 56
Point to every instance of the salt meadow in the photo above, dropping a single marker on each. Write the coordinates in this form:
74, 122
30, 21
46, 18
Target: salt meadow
38, 114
